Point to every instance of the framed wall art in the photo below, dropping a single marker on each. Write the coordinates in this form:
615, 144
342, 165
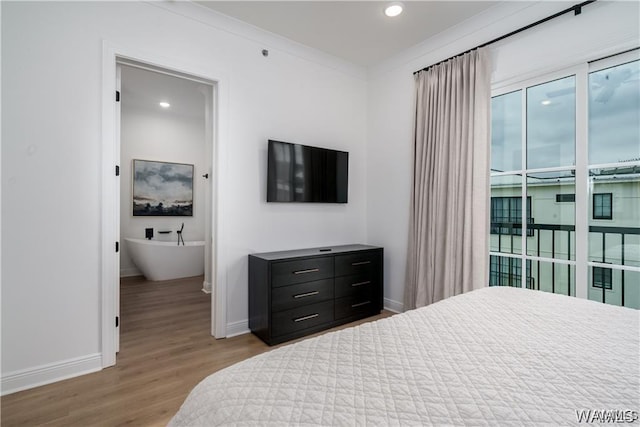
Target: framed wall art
162, 188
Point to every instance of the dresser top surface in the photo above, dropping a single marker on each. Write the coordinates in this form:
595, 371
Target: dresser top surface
273, 256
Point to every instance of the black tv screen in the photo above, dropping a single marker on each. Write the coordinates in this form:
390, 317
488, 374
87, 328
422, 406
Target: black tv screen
299, 173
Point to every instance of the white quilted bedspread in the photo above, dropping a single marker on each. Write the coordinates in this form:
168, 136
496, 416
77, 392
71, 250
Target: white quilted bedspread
495, 356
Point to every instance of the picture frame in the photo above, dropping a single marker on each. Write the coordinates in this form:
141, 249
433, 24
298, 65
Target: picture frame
162, 188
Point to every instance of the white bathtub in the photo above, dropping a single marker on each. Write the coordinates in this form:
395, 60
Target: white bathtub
166, 260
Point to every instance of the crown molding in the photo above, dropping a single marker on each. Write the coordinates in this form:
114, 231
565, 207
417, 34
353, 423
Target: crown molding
265, 39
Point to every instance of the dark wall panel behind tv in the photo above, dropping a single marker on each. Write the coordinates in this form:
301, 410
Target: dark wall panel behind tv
299, 173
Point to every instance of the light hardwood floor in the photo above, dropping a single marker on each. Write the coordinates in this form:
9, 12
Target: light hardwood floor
165, 350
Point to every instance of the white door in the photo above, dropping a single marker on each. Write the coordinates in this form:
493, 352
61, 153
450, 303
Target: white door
117, 204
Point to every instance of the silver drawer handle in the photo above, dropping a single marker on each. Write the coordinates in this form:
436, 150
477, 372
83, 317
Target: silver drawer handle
361, 283
311, 270
360, 304
360, 263
311, 316
308, 294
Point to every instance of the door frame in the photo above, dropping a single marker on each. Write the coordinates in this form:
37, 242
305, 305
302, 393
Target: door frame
110, 185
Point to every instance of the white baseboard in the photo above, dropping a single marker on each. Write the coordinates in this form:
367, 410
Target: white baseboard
237, 328
50, 373
206, 287
395, 306
130, 272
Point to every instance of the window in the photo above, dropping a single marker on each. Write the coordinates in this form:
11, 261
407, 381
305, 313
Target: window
506, 271
602, 278
602, 203
561, 198
506, 215
613, 170
568, 144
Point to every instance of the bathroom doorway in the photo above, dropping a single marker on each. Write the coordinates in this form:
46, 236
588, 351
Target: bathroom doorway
165, 125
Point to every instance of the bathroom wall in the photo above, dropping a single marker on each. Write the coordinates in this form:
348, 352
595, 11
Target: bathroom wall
150, 132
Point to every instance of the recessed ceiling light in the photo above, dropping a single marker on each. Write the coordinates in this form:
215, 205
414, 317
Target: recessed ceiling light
546, 102
394, 9
164, 104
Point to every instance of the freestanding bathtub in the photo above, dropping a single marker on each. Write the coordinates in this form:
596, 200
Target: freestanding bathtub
166, 260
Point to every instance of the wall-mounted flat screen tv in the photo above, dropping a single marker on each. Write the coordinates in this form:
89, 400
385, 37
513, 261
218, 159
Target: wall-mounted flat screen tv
299, 173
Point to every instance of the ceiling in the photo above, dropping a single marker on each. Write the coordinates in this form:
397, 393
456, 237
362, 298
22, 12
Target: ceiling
145, 89
356, 31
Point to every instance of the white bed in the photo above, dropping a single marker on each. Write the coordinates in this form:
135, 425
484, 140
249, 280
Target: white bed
495, 356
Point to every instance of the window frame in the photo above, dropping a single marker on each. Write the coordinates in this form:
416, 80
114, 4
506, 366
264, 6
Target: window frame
593, 206
581, 168
566, 198
511, 270
515, 230
604, 283
579, 72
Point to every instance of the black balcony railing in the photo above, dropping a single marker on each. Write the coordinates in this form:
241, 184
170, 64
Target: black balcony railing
508, 227
622, 232
498, 277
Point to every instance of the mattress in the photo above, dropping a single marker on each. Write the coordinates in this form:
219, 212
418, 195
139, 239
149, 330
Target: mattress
494, 356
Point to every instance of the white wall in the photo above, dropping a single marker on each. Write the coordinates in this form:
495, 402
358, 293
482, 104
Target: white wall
151, 133
602, 28
51, 159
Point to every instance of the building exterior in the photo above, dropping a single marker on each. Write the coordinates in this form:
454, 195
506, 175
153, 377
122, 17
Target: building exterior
614, 233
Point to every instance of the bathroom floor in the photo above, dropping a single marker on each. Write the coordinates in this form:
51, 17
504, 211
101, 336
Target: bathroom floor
165, 310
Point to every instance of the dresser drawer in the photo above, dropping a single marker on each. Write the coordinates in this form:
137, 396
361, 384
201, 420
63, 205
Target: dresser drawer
300, 271
357, 263
356, 284
297, 293
356, 305
286, 297
286, 322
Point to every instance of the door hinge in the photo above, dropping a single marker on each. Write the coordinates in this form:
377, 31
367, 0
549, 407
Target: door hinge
117, 321
117, 246
117, 96
117, 170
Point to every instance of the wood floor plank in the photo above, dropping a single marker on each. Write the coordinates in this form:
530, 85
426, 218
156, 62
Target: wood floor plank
165, 350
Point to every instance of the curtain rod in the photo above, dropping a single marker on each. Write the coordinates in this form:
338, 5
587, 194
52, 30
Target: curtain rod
576, 9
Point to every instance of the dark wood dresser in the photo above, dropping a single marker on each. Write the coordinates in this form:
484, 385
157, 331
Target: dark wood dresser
296, 293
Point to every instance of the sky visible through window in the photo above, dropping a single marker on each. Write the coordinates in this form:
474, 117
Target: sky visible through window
543, 119
614, 114
614, 121
506, 132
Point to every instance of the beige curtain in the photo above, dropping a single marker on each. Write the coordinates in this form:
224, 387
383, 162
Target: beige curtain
448, 246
